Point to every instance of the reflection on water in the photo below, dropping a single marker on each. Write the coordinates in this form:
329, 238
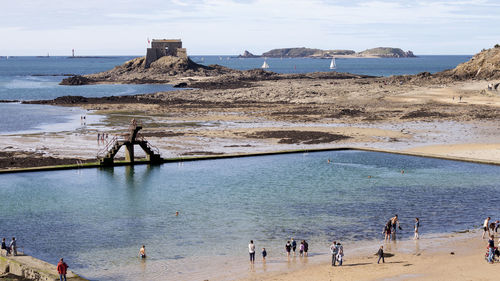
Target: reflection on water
97, 219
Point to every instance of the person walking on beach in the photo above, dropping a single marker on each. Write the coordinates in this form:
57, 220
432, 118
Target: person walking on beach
380, 254
485, 226
264, 254
294, 245
417, 226
334, 251
288, 248
251, 251
306, 248
142, 252
13, 246
62, 267
340, 255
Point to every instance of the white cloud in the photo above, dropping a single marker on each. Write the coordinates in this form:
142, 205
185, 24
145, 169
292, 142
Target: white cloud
224, 26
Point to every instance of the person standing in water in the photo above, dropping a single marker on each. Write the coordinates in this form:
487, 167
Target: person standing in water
264, 254
395, 224
306, 248
485, 226
417, 226
251, 251
142, 252
288, 248
294, 245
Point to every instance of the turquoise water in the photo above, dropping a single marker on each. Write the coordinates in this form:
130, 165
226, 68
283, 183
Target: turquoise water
98, 218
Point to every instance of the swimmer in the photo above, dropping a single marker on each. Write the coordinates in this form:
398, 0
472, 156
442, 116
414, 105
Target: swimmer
402, 171
176, 213
329, 161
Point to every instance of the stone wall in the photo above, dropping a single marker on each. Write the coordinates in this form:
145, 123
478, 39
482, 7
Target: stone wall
161, 48
31, 268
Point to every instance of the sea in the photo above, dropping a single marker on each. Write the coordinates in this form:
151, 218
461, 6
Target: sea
37, 78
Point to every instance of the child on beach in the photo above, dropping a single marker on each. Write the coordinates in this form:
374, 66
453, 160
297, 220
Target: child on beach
417, 225
340, 255
301, 248
264, 254
380, 254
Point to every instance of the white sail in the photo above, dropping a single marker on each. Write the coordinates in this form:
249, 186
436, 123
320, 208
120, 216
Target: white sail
332, 64
265, 65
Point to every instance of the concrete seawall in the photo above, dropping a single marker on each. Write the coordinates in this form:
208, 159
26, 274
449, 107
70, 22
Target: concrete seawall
33, 269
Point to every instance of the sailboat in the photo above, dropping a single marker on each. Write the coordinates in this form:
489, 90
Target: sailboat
265, 65
332, 64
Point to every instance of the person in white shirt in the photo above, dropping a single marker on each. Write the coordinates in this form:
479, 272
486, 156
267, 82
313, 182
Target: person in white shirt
251, 251
485, 226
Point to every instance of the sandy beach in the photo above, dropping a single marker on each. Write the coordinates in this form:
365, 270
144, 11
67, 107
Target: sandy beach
447, 257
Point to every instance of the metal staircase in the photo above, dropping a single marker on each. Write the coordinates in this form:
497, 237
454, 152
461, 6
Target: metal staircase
107, 154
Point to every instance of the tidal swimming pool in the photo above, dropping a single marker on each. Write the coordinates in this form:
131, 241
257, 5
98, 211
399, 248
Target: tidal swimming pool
97, 219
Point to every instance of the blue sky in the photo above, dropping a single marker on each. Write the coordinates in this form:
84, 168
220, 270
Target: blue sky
121, 27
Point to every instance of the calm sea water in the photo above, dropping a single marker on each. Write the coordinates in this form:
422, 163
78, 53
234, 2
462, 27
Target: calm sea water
35, 78
98, 218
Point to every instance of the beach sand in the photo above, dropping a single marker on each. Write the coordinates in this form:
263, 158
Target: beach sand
425, 259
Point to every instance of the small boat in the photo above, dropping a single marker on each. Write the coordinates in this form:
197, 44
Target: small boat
265, 65
332, 64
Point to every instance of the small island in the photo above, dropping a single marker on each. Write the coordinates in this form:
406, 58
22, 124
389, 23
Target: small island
380, 52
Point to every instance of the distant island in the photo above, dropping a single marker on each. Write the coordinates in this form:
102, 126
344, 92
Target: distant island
380, 52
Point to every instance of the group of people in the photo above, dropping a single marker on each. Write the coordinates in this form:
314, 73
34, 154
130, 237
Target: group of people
491, 228
10, 249
337, 251
392, 226
290, 246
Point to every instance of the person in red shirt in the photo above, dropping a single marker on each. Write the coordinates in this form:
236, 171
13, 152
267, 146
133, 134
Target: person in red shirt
62, 267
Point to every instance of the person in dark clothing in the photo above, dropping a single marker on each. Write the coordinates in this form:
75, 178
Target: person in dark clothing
294, 245
4, 247
380, 254
288, 248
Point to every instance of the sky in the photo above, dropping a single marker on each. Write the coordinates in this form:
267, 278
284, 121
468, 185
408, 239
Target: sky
229, 27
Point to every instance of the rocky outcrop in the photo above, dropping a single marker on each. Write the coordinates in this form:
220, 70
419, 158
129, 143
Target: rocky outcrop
484, 65
247, 54
387, 52
162, 70
318, 53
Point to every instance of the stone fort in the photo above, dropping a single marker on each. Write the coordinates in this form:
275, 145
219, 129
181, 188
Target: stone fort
164, 47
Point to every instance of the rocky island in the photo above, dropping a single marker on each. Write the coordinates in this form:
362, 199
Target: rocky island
380, 52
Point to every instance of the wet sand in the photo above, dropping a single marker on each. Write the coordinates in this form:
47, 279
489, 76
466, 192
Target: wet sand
398, 114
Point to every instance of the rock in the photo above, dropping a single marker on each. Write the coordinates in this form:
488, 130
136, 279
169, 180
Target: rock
76, 80
484, 65
387, 52
247, 54
181, 85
